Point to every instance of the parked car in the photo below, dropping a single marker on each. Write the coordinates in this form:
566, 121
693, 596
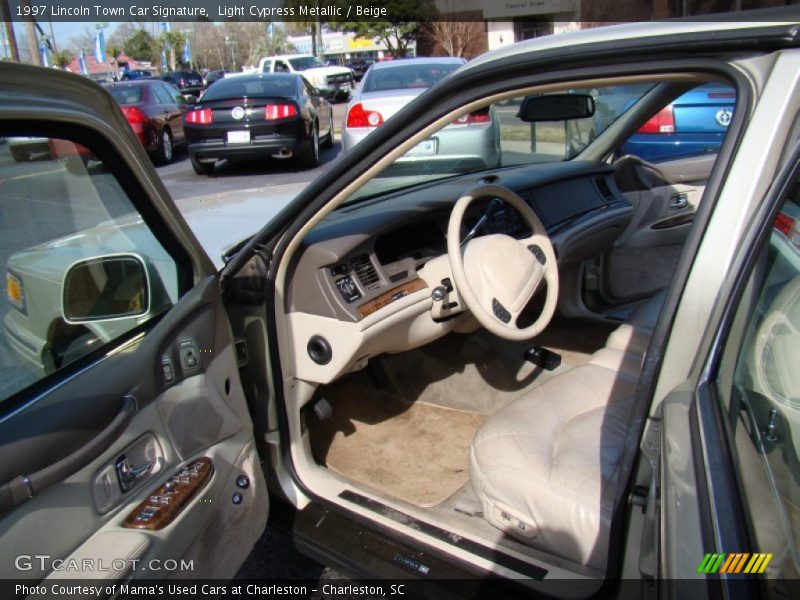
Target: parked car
379, 366
333, 82
190, 83
135, 74
389, 86
155, 111
213, 76
261, 115
26, 147
359, 66
694, 124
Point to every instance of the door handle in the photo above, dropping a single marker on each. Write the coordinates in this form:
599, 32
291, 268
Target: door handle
679, 201
128, 475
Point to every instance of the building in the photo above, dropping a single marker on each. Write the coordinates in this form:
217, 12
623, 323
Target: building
340, 47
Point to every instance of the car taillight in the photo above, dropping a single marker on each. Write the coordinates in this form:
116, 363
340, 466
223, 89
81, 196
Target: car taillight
662, 122
273, 112
200, 117
481, 116
358, 117
134, 115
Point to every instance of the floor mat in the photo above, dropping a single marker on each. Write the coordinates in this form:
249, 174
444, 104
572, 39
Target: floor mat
416, 452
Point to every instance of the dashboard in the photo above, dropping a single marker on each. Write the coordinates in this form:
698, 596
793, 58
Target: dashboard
369, 251
375, 277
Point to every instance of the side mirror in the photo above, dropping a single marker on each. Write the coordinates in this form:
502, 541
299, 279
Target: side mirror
107, 287
556, 107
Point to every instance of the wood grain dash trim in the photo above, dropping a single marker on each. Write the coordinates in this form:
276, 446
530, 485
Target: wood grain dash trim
393, 294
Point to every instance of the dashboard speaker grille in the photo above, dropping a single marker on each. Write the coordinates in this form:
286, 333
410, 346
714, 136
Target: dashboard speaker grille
366, 273
602, 185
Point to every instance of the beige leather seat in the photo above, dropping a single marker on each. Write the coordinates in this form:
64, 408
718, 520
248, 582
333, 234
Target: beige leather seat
546, 467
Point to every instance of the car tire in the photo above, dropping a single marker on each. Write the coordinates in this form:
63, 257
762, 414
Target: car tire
310, 158
202, 167
166, 148
19, 154
68, 350
327, 142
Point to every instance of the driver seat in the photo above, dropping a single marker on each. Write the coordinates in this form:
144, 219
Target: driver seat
546, 468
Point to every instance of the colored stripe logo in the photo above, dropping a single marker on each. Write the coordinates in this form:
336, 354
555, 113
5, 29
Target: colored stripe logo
734, 563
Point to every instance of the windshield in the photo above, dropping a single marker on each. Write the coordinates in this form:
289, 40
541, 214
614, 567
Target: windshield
306, 62
407, 76
264, 86
127, 95
496, 137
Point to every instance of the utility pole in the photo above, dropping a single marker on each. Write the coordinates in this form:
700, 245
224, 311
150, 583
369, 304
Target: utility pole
8, 25
33, 42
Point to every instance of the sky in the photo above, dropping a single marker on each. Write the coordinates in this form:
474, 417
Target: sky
64, 31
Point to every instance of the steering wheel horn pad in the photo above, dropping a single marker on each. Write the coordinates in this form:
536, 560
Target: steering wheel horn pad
497, 275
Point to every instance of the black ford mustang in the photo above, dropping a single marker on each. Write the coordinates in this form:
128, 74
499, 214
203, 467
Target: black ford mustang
277, 115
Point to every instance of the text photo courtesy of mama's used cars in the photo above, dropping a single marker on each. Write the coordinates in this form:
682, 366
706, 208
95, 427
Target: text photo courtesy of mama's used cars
394, 299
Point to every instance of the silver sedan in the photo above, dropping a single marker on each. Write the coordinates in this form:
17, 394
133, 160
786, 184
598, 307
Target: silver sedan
389, 86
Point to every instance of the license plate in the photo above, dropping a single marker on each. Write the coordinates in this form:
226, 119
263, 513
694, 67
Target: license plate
426, 148
238, 137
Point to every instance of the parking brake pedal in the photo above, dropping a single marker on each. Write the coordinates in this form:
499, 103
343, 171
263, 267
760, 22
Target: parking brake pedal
323, 409
542, 357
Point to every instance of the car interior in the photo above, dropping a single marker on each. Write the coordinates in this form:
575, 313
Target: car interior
460, 349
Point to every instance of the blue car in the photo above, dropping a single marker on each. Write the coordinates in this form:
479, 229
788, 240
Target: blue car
695, 123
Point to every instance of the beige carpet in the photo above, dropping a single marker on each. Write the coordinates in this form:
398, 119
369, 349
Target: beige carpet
416, 452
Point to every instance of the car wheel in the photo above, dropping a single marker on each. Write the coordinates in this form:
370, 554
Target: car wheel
20, 155
202, 167
70, 349
165, 151
311, 157
328, 141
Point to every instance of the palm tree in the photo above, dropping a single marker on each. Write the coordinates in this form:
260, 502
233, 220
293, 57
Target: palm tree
62, 59
114, 52
173, 41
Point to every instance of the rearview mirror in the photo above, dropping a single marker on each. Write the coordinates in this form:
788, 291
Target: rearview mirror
556, 107
107, 287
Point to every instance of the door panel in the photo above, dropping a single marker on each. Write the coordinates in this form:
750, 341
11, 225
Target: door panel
665, 198
118, 365
204, 413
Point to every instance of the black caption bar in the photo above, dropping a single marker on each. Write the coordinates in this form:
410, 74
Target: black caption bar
342, 11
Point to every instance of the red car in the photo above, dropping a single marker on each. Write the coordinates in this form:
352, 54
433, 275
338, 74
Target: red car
155, 111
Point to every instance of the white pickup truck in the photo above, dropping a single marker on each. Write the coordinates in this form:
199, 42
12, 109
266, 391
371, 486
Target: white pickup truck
333, 82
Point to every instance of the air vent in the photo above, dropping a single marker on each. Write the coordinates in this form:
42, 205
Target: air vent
365, 271
602, 185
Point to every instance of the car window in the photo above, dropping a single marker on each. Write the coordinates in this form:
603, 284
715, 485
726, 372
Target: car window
759, 386
409, 76
496, 136
81, 267
264, 86
692, 125
163, 95
127, 95
301, 63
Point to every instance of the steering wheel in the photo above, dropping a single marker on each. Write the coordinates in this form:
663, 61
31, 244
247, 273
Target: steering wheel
496, 275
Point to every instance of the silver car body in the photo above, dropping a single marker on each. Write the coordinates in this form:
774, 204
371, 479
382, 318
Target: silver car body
387, 88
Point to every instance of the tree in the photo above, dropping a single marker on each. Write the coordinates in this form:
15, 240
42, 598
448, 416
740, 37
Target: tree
62, 59
454, 31
114, 52
141, 46
173, 42
398, 34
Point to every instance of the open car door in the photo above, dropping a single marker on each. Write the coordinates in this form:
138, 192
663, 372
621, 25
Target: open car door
127, 443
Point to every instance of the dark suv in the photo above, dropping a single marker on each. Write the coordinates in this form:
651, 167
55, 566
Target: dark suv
187, 81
